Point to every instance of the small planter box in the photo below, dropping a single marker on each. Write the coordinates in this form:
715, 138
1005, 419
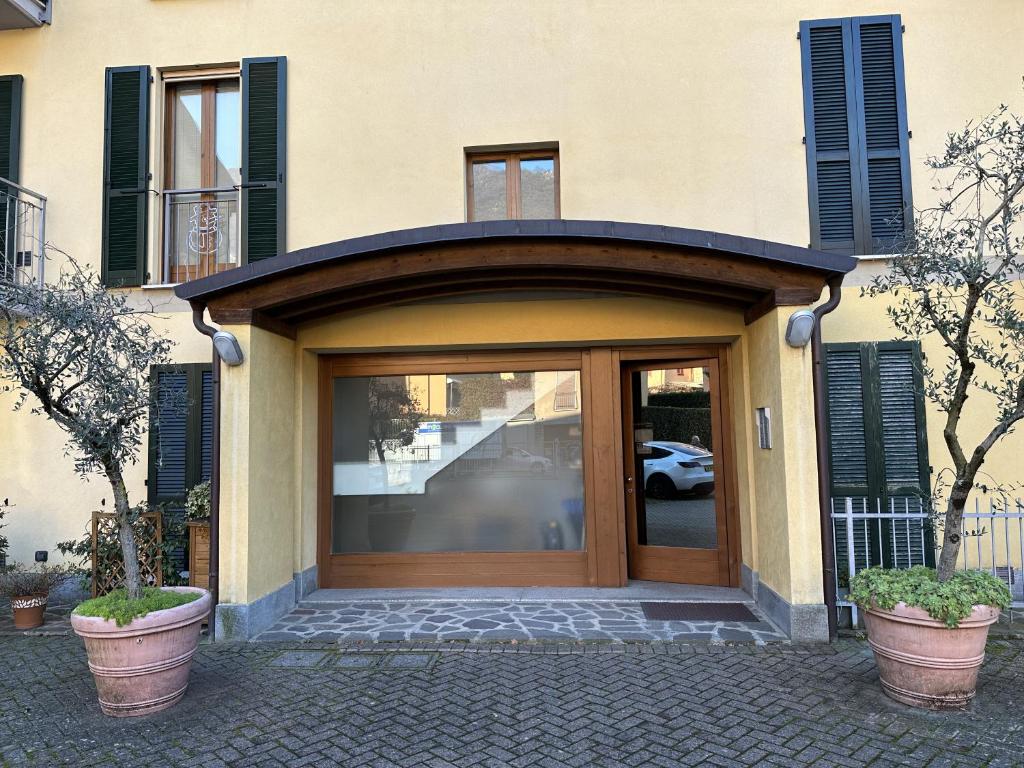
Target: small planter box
199, 555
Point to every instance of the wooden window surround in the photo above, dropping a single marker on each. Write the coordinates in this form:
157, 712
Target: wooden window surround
603, 561
212, 211
514, 202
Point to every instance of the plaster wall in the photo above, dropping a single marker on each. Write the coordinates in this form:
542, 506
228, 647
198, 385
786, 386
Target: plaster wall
683, 113
257, 468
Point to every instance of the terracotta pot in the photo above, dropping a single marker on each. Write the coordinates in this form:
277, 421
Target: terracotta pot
28, 611
924, 663
143, 666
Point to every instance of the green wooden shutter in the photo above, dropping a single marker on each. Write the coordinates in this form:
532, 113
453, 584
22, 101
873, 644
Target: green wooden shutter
878, 446
10, 127
834, 185
10, 158
848, 443
206, 422
855, 123
263, 158
179, 444
125, 175
884, 148
168, 436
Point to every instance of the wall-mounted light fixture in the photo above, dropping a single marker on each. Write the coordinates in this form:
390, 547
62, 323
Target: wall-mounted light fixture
799, 328
228, 348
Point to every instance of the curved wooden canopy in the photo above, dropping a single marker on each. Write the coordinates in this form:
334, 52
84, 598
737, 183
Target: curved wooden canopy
452, 259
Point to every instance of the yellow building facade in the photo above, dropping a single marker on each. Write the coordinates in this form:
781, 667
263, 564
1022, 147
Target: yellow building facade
487, 360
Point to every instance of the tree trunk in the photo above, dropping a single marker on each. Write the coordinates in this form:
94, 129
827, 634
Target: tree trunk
951, 537
125, 534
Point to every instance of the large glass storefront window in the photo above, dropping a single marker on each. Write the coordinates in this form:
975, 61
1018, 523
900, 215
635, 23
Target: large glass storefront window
457, 462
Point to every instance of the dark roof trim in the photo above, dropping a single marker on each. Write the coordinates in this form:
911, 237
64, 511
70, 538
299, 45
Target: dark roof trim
543, 229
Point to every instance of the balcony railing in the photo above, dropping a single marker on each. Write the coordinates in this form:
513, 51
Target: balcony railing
22, 233
565, 401
201, 233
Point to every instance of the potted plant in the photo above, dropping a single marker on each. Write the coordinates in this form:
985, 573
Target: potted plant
197, 515
928, 636
954, 278
28, 589
82, 354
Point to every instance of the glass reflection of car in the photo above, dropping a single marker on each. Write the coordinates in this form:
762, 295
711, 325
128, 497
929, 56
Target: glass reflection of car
518, 460
673, 468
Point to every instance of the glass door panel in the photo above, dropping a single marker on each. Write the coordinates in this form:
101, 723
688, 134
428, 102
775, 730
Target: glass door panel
676, 507
675, 504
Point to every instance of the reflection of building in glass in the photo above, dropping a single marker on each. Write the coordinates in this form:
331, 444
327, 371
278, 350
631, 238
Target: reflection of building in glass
677, 380
464, 461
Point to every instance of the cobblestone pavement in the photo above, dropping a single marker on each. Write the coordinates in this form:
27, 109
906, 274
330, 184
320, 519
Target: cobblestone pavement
490, 705
498, 620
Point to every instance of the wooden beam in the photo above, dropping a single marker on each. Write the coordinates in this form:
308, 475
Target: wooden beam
252, 317
456, 262
780, 297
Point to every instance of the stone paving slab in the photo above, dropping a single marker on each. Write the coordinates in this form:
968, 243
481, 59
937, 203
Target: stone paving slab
503, 620
576, 704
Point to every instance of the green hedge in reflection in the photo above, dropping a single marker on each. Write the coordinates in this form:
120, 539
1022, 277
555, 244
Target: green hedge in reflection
679, 424
687, 399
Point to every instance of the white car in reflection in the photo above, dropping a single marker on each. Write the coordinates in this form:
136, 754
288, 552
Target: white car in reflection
518, 460
673, 467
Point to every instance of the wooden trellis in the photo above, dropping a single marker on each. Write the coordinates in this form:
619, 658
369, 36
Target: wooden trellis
107, 564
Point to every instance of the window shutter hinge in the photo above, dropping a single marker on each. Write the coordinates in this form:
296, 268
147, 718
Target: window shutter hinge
803, 140
903, 28
151, 79
149, 176
798, 34
910, 134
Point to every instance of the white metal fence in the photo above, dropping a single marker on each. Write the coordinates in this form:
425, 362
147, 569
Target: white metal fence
22, 233
899, 534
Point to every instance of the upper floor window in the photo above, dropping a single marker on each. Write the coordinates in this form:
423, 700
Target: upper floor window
855, 115
221, 183
203, 159
517, 184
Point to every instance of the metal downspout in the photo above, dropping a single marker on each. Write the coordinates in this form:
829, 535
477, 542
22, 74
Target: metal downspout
828, 556
198, 310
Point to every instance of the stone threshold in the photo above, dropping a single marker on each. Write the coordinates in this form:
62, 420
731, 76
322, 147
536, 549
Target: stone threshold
503, 620
634, 591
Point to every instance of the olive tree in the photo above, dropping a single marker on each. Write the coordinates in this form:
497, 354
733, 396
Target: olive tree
394, 415
79, 354
956, 276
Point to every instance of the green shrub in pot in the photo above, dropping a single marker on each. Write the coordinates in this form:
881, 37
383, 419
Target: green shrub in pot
948, 601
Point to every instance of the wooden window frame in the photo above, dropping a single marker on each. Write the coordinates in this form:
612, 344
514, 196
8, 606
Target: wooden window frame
207, 84
602, 562
513, 191
378, 569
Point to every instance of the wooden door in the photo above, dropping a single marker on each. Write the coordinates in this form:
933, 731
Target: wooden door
675, 472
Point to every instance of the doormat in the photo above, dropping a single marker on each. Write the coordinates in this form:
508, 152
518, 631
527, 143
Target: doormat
697, 612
